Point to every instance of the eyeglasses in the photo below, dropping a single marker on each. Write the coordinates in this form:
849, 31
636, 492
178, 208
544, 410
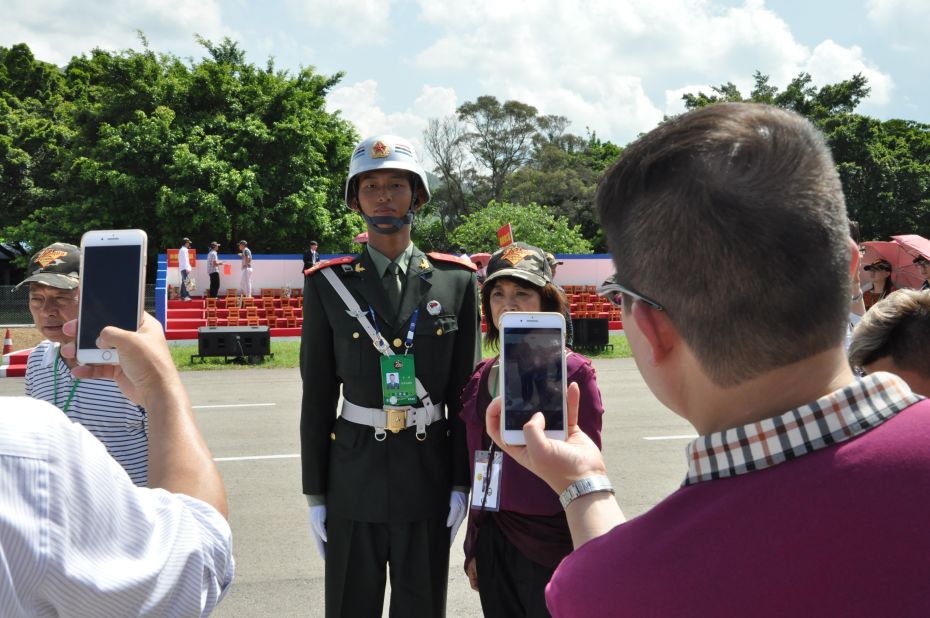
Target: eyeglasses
613, 291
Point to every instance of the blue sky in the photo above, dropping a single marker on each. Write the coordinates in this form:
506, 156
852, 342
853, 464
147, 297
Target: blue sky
613, 66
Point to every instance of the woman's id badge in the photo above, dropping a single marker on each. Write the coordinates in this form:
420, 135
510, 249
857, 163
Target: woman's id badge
398, 380
486, 485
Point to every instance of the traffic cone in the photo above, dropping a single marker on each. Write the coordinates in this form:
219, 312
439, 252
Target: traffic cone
7, 342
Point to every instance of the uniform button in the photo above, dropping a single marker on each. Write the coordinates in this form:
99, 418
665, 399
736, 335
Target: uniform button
438, 331
355, 335
332, 436
398, 342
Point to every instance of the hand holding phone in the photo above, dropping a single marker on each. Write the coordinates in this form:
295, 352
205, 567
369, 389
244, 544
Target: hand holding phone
533, 374
112, 289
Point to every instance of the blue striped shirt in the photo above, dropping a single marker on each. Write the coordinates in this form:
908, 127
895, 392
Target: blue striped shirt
98, 405
77, 538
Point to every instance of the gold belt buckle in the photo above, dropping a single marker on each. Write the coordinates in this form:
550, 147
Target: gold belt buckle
396, 420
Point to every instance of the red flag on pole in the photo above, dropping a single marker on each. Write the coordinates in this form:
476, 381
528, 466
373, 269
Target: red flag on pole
505, 236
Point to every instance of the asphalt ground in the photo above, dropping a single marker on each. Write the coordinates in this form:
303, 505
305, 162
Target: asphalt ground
250, 419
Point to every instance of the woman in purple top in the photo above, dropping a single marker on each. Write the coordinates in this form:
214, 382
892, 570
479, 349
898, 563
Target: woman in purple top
510, 553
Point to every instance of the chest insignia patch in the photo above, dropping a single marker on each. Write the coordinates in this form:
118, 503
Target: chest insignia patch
433, 307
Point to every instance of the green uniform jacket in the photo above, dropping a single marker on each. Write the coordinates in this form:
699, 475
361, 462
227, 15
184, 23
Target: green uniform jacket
399, 479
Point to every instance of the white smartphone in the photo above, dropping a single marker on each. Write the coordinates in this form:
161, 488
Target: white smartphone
112, 289
532, 373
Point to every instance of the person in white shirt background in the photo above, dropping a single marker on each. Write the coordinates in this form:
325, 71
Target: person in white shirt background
184, 265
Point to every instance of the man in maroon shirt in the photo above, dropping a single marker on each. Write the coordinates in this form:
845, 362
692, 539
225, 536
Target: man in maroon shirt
802, 484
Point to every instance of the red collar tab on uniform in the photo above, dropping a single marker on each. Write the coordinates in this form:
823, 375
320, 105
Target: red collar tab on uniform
348, 259
455, 259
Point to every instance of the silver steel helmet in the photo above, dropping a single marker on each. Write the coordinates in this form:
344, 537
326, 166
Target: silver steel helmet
381, 152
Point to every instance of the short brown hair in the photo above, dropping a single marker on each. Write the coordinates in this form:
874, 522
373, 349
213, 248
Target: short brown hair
732, 217
898, 326
551, 299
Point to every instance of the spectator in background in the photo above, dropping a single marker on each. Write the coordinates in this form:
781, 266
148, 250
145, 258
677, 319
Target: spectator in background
184, 265
76, 537
510, 554
553, 264
99, 405
923, 267
803, 475
569, 327
856, 303
245, 280
894, 336
213, 264
880, 275
311, 257
463, 253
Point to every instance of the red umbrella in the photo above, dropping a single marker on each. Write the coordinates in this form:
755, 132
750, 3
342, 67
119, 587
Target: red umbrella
481, 259
915, 245
903, 271
362, 238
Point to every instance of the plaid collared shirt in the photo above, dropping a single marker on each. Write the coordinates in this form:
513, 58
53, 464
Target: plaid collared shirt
837, 417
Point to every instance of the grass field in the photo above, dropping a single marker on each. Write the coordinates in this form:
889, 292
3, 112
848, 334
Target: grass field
287, 354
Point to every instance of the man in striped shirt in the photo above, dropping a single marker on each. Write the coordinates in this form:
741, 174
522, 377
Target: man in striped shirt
77, 538
97, 404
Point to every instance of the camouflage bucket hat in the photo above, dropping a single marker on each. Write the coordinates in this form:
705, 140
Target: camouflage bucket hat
520, 261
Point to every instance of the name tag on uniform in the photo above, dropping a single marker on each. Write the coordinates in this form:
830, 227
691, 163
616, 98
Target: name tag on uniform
398, 380
486, 485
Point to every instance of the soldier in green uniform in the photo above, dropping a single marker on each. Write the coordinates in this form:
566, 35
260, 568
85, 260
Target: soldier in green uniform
387, 479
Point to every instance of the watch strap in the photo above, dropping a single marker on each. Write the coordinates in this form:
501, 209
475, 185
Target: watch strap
585, 486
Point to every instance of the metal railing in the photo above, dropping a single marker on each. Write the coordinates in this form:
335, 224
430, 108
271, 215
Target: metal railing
14, 304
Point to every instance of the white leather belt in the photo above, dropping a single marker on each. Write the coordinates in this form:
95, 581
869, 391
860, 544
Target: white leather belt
392, 419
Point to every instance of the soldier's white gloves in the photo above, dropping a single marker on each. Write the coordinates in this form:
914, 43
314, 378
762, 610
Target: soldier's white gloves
318, 528
458, 508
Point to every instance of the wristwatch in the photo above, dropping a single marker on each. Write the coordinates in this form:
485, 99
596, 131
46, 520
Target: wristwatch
585, 486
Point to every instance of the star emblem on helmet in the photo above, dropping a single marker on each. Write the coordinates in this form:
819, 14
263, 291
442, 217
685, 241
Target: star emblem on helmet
515, 255
49, 256
380, 150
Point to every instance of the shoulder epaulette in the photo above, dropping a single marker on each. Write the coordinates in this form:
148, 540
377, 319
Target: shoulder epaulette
454, 259
348, 259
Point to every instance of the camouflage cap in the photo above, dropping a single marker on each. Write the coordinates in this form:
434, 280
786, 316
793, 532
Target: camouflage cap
520, 261
58, 266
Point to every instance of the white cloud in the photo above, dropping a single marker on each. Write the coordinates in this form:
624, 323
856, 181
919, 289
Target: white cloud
903, 22
617, 65
831, 63
359, 103
56, 30
673, 102
362, 20
592, 61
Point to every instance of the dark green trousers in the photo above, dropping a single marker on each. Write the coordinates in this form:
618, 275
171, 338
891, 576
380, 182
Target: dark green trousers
359, 555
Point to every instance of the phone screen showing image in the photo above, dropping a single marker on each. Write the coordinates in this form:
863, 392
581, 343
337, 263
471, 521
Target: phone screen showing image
533, 376
109, 290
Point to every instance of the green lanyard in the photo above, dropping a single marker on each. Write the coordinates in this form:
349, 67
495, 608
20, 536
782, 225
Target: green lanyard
74, 384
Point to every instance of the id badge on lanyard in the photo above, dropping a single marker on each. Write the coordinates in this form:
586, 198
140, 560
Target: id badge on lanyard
398, 380
486, 484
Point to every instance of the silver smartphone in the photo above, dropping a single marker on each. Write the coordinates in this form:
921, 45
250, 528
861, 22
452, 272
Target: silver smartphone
112, 289
533, 379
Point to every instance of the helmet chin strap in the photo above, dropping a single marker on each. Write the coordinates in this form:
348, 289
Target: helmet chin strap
394, 224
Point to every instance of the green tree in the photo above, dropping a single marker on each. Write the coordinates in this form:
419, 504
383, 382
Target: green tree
884, 166
216, 149
563, 175
530, 223
499, 136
